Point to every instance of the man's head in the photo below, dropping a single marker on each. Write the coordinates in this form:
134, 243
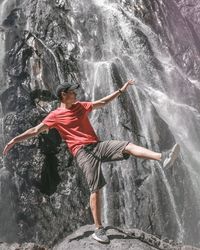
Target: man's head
66, 92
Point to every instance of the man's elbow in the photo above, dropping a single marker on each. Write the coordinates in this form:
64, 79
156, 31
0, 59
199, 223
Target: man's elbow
103, 103
40, 128
35, 131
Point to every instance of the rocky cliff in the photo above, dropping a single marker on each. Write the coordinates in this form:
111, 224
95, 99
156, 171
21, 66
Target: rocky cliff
100, 44
122, 239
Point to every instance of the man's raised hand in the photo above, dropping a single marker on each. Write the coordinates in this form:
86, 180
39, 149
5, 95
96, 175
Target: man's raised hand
124, 87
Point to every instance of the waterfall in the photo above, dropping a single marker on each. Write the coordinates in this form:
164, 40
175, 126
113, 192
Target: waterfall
8, 227
5, 7
104, 43
180, 235
118, 46
184, 121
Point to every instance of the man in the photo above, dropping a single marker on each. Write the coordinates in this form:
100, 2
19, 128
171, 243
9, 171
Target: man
71, 121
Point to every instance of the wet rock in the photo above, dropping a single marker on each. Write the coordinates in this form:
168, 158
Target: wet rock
24, 246
100, 45
122, 239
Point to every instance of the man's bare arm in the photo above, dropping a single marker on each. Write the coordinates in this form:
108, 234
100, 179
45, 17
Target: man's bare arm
102, 102
27, 134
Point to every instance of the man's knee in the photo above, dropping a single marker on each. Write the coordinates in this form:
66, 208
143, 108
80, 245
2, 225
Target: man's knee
130, 146
95, 192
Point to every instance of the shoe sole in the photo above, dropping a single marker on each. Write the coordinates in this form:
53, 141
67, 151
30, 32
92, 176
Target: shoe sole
98, 239
174, 154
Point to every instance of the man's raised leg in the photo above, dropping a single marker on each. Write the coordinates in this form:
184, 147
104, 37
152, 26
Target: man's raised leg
142, 152
167, 158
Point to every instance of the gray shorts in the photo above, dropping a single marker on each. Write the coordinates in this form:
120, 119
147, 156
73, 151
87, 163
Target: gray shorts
90, 157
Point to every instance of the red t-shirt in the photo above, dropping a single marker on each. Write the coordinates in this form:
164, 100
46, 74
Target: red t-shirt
73, 125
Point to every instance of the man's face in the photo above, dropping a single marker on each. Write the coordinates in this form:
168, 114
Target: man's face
69, 96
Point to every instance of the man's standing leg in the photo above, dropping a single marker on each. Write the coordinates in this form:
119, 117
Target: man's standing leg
89, 161
95, 205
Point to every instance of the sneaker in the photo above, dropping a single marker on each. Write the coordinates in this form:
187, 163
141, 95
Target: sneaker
100, 235
168, 157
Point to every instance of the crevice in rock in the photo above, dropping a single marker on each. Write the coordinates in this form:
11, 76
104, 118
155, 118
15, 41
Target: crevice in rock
49, 145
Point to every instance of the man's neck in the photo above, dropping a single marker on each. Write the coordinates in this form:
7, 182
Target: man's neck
65, 105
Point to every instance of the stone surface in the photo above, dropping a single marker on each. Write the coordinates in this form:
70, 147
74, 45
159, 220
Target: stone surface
122, 239
100, 44
24, 246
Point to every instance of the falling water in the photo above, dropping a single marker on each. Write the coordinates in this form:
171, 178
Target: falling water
181, 232
115, 45
117, 39
8, 227
186, 131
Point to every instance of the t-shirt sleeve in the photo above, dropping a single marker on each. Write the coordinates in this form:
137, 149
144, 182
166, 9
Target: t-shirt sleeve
50, 120
87, 106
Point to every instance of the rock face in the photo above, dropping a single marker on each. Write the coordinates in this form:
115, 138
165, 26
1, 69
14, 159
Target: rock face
48, 188
190, 11
24, 246
100, 44
122, 239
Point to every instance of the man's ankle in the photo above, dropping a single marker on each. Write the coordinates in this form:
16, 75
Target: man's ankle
98, 226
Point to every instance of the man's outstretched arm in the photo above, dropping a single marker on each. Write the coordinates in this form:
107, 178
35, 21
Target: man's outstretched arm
27, 134
102, 102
